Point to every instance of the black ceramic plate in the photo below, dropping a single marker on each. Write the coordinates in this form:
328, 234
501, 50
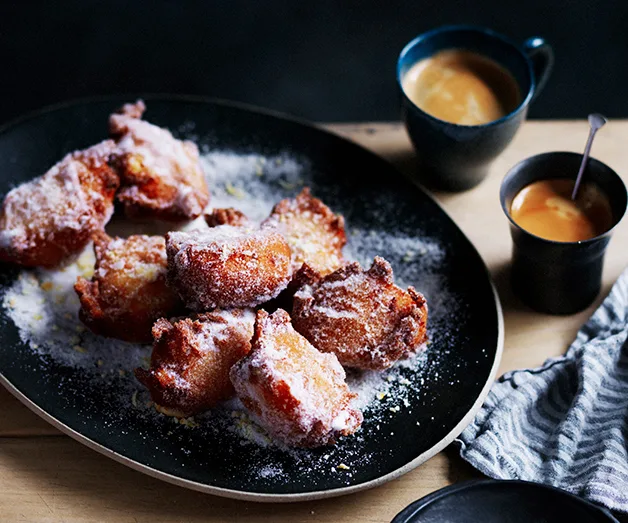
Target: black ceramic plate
427, 403
494, 501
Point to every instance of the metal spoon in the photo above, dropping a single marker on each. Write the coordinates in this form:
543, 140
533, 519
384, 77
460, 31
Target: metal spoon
596, 121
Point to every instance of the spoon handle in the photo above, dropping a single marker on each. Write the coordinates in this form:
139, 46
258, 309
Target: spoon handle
585, 160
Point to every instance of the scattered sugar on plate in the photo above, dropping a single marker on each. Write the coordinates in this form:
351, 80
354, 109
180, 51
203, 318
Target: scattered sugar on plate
44, 307
253, 183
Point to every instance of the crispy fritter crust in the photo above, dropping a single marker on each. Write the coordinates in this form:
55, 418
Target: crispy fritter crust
128, 291
161, 176
295, 392
228, 216
360, 316
47, 221
191, 359
315, 234
227, 267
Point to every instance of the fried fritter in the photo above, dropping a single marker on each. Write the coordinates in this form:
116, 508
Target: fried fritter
191, 359
128, 291
295, 392
161, 176
48, 220
315, 234
228, 216
360, 316
227, 267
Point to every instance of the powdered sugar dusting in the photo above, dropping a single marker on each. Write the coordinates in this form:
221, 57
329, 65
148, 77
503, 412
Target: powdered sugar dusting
206, 266
63, 201
43, 306
315, 384
253, 183
146, 151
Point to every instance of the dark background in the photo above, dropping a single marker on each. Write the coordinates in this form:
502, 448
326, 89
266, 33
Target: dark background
322, 60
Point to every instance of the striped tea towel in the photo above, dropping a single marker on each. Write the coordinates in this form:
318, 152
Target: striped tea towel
566, 423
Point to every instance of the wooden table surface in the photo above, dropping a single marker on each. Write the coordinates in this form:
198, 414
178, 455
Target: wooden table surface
47, 477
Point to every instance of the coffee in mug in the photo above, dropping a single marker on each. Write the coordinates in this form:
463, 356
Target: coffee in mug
462, 87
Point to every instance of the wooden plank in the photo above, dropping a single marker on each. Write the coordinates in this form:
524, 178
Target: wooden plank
50, 480
57, 479
18, 421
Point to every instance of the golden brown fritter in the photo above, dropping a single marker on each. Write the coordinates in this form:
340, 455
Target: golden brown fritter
161, 176
189, 371
48, 220
229, 216
295, 392
128, 291
227, 267
315, 234
360, 316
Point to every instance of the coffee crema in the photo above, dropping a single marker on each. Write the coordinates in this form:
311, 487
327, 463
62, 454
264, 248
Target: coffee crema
462, 87
545, 208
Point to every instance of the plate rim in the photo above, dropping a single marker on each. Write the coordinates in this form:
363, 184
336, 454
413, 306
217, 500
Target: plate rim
248, 495
423, 503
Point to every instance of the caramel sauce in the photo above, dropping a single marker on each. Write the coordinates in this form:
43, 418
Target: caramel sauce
545, 209
462, 87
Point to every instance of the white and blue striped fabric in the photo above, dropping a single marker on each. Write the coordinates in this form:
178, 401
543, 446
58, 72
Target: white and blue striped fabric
566, 423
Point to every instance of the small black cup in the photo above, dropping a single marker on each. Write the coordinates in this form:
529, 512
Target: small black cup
456, 157
559, 277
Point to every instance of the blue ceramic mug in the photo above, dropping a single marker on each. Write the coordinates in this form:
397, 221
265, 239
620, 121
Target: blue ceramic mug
456, 157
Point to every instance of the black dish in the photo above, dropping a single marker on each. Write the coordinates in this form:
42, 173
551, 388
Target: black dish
372, 195
494, 501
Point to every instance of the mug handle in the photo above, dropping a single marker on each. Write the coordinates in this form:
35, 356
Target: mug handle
541, 54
